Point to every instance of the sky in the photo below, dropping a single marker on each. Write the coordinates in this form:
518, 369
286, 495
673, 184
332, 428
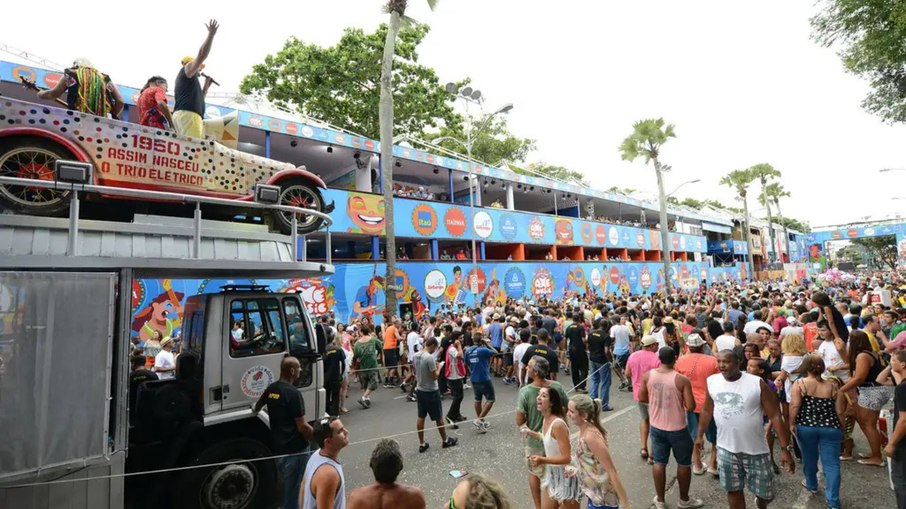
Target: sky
743, 82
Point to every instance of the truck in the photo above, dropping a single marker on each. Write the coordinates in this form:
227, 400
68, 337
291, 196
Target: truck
76, 434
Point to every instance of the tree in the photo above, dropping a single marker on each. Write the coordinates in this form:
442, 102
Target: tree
772, 193
628, 191
764, 172
341, 84
739, 181
869, 36
794, 224
493, 141
883, 249
397, 10
646, 140
554, 172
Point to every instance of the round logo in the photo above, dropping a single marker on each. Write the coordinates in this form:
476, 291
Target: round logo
292, 128
836, 234
52, 78
255, 380
536, 229
852, 233
514, 283
626, 238
424, 219
585, 231
212, 112
476, 282
675, 242
614, 275
274, 124
640, 239
645, 279
483, 224
682, 242
613, 235
600, 234
542, 284
633, 275
307, 131
435, 284
455, 222
507, 227
595, 277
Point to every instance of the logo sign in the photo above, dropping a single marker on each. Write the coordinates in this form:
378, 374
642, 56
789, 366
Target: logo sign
563, 230
255, 380
455, 222
585, 231
614, 275
675, 241
424, 219
836, 234
852, 233
703, 274
536, 229
698, 245
600, 234
542, 284
257, 122
292, 128
633, 275
682, 242
595, 277
613, 235
640, 239
508, 227
645, 279
626, 238
514, 283
484, 225
52, 78
435, 284
476, 283
317, 297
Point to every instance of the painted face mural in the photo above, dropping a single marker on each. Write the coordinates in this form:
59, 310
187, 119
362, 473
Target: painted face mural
163, 314
366, 212
563, 229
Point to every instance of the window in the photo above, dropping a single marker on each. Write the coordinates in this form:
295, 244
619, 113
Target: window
195, 327
295, 322
256, 327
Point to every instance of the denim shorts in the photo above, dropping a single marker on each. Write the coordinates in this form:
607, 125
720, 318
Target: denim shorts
483, 389
710, 431
679, 441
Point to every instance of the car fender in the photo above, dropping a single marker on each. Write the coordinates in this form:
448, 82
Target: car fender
77, 151
296, 172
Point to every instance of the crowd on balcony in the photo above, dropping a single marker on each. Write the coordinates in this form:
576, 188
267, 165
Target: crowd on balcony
416, 192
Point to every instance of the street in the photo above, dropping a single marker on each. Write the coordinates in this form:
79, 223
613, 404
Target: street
499, 454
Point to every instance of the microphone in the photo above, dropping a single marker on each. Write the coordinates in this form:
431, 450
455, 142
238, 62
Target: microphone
203, 75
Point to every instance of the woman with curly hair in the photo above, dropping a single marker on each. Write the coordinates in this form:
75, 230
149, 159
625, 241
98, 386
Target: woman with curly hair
478, 492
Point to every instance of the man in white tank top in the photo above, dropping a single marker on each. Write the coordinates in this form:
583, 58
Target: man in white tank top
738, 402
324, 479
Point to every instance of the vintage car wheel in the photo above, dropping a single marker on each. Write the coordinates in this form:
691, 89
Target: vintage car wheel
31, 158
299, 193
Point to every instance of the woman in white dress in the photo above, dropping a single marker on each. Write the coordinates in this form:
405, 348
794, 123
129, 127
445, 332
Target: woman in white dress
558, 489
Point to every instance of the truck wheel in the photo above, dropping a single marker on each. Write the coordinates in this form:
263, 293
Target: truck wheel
234, 485
32, 158
299, 193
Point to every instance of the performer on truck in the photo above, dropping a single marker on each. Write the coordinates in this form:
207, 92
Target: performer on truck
87, 90
189, 94
153, 110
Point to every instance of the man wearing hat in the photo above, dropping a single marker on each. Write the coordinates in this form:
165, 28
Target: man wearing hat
165, 363
87, 90
189, 95
697, 367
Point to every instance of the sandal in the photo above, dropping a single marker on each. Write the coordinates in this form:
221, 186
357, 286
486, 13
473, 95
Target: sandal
846, 458
864, 462
644, 453
813, 492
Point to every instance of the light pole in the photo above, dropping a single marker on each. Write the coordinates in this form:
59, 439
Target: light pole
885, 170
659, 170
671, 193
469, 95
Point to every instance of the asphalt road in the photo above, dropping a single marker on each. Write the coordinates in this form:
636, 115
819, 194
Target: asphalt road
499, 454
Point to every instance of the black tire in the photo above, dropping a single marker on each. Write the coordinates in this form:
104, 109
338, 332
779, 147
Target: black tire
31, 157
300, 193
239, 485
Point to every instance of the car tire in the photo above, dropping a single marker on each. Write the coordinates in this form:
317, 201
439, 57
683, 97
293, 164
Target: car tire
31, 157
301, 193
238, 485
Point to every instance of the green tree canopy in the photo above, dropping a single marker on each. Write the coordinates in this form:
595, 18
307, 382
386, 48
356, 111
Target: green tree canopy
869, 35
883, 249
493, 141
341, 84
793, 224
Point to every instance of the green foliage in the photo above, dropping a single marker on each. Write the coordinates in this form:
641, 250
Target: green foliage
793, 224
552, 171
772, 193
763, 172
628, 191
739, 181
883, 249
492, 143
646, 140
869, 35
341, 84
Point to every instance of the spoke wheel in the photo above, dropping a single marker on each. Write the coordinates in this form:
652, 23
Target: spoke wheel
299, 193
31, 159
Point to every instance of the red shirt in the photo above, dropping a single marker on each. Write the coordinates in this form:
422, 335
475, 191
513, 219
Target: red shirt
148, 113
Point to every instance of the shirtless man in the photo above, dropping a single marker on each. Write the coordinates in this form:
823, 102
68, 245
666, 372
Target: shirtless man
386, 464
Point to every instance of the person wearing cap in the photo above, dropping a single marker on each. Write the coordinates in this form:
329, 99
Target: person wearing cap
188, 111
87, 90
639, 363
164, 362
697, 367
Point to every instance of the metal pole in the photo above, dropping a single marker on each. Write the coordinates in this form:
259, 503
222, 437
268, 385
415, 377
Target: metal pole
196, 247
665, 237
556, 213
73, 248
294, 238
329, 246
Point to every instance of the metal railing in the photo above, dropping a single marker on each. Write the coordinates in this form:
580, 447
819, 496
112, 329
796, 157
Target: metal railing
73, 246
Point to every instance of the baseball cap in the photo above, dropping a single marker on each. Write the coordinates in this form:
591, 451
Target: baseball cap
186, 59
695, 340
649, 340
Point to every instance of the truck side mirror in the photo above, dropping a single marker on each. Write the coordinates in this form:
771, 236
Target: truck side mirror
321, 337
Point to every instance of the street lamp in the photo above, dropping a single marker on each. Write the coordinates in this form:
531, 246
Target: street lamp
469, 95
885, 170
696, 181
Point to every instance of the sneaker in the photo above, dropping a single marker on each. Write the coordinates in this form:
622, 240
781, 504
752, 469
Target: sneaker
403, 388
479, 425
450, 442
362, 402
423, 447
692, 503
466, 386
607, 409
368, 403
461, 418
451, 423
411, 398
509, 381
657, 504
485, 426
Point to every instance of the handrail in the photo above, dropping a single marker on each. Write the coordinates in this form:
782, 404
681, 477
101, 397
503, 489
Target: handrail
169, 196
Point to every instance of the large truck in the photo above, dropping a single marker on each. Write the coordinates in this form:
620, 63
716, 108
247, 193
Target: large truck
75, 434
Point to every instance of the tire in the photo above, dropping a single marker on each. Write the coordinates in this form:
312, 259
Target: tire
300, 193
239, 485
30, 157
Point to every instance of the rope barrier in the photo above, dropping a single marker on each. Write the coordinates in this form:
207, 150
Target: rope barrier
253, 460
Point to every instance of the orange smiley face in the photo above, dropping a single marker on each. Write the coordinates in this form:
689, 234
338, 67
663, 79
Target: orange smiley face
366, 212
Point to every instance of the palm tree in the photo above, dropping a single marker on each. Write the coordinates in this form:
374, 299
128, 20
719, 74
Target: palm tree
397, 10
645, 141
739, 180
763, 172
772, 193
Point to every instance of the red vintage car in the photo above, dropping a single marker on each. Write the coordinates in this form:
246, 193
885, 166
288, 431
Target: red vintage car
33, 136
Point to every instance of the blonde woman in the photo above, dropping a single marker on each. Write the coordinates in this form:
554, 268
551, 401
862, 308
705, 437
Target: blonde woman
598, 476
478, 492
